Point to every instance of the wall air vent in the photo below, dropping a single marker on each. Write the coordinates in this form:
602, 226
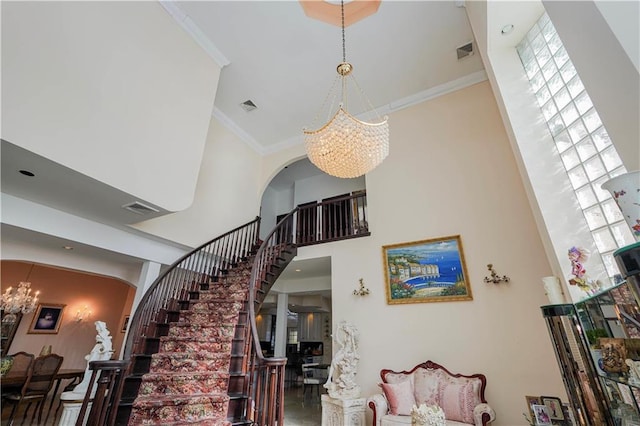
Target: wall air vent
465, 50
248, 105
138, 208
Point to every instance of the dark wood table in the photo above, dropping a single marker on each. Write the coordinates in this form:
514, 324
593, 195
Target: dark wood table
14, 382
17, 380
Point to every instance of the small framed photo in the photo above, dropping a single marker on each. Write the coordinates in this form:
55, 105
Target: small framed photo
531, 401
541, 415
46, 319
125, 324
554, 405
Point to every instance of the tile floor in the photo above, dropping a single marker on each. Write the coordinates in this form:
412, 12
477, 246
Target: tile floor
302, 410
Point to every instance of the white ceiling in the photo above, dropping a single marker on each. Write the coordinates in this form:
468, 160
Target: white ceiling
285, 62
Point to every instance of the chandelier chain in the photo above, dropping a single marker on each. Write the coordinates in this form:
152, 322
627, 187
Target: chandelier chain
344, 46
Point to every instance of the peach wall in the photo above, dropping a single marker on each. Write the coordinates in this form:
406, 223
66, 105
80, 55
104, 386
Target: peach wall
109, 299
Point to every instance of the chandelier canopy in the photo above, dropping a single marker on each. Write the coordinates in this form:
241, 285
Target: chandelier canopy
345, 146
18, 300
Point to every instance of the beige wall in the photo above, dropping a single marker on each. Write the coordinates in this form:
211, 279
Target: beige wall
451, 171
227, 193
109, 300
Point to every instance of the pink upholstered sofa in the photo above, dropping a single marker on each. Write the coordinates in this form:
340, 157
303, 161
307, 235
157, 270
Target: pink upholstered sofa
460, 397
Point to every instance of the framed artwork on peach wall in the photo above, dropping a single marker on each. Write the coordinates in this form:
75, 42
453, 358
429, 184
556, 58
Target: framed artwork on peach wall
46, 319
125, 324
431, 270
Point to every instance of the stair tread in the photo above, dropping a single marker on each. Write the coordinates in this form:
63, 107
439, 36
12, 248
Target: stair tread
161, 375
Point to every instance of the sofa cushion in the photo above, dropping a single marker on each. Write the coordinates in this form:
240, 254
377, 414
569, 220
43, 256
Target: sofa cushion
426, 385
458, 397
399, 396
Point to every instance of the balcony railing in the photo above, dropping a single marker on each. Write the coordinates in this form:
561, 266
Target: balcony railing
333, 219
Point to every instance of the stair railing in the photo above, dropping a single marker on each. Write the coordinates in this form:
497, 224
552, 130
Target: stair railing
203, 264
266, 387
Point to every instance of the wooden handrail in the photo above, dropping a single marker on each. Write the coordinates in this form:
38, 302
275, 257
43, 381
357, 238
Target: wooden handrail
203, 263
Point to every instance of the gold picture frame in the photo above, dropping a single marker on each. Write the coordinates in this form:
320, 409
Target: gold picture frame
431, 270
46, 319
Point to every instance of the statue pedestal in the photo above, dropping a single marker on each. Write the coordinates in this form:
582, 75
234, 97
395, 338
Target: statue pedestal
71, 405
342, 412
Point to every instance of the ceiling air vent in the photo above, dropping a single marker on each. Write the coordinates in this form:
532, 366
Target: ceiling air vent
465, 50
248, 105
138, 208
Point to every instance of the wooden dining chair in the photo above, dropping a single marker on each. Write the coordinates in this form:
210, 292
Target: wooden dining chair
21, 363
40, 378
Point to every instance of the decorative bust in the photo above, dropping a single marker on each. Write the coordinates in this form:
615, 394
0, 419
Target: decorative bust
102, 351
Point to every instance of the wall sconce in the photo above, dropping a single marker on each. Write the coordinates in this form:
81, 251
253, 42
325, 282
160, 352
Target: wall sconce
327, 328
363, 291
495, 278
83, 313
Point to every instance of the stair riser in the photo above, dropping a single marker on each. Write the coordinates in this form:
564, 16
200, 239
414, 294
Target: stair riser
168, 364
190, 346
240, 296
172, 385
209, 318
237, 408
237, 384
202, 331
206, 306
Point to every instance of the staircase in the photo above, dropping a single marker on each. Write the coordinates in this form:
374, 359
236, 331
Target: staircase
188, 379
195, 357
192, 347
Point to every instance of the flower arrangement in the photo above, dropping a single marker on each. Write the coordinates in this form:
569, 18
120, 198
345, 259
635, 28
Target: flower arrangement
427, 415
578, 257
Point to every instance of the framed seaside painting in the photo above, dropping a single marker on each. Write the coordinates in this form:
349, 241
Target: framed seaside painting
426, 271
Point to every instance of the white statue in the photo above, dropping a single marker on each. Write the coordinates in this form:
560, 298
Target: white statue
341, 382
102, 351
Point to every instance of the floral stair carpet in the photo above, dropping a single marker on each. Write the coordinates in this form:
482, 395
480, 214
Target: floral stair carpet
188, 379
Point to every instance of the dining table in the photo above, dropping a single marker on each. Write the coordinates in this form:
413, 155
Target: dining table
13, 382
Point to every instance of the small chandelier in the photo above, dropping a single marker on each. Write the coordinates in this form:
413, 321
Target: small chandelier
346, 147
18, 300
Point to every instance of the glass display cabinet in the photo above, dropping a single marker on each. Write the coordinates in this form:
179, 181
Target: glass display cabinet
584, 390
610, 322
597, 343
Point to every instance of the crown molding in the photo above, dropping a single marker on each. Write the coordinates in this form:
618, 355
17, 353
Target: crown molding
238, 131
195, 32
400, 104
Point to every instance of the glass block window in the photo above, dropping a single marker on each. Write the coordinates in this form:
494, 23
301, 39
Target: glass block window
581, 140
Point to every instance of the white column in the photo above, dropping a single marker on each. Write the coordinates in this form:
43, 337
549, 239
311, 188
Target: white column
280, 349
148, 273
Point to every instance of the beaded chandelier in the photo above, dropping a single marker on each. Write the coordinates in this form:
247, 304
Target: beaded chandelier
346, 147
18, 300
